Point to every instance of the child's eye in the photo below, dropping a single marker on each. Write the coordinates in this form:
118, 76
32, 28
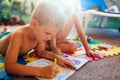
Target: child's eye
48, 33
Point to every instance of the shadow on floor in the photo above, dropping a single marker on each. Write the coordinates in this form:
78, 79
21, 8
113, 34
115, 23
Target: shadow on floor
110, 36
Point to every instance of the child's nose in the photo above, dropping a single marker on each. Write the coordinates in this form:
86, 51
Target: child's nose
48, 37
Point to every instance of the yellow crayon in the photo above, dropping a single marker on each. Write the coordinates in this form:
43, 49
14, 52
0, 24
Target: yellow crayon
55, 61
1, 65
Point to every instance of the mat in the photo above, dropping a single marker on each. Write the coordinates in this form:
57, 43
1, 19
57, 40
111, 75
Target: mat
103, 49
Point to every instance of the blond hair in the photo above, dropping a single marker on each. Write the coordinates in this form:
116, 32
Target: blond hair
49, 11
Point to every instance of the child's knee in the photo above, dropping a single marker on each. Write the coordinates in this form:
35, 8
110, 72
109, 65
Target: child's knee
73, 47
67, 47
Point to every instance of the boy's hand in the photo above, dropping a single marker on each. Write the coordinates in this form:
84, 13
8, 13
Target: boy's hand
48, 71
57, 51
65, 63
93, 54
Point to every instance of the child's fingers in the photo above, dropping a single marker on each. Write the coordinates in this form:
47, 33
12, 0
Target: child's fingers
96, 56
70, 64
51, 76
92, 55
63, 65
88, 54
56, 71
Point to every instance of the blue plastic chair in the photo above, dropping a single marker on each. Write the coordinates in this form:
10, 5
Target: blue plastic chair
101, 11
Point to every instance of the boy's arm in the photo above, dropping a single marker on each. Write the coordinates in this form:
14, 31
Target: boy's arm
53, 42
41, 52
53, 45
11, 65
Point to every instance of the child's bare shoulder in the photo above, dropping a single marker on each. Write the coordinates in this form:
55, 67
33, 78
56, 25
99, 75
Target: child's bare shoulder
18, 33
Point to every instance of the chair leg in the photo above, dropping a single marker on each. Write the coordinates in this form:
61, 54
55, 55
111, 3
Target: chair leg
104, 22
88, 17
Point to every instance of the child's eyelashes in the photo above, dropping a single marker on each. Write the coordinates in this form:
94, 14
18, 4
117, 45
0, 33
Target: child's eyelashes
48, 33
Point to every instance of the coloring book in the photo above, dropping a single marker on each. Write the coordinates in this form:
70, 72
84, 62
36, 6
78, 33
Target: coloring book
63, 73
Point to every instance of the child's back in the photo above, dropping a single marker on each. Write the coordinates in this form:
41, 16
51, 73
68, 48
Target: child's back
25, 34
4, 42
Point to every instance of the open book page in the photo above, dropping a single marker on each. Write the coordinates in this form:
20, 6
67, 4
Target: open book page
63, 73
78, 62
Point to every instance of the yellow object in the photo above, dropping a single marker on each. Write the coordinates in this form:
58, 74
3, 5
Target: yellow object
29, 59
1, 65
62, 70
94, 46
111, 52
55, 61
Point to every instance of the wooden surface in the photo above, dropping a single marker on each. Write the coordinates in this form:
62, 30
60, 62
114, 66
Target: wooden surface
104, 69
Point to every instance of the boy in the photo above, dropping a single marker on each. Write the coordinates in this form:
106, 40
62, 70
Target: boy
47, 19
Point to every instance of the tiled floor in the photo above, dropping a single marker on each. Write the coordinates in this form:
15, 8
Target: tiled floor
110, 36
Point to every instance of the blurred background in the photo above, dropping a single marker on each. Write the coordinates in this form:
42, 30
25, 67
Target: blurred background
17, 12
14, 13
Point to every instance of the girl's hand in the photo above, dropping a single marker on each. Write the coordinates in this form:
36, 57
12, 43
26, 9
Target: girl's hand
93, 54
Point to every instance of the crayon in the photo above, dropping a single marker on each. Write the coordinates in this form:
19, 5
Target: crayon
55, 61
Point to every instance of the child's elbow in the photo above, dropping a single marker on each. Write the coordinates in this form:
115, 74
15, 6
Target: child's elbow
73, 47
8, 68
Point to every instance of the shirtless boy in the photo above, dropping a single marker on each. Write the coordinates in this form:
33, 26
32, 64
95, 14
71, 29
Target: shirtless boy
47, 19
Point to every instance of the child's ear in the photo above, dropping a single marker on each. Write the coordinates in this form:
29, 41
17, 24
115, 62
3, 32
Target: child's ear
33, 22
